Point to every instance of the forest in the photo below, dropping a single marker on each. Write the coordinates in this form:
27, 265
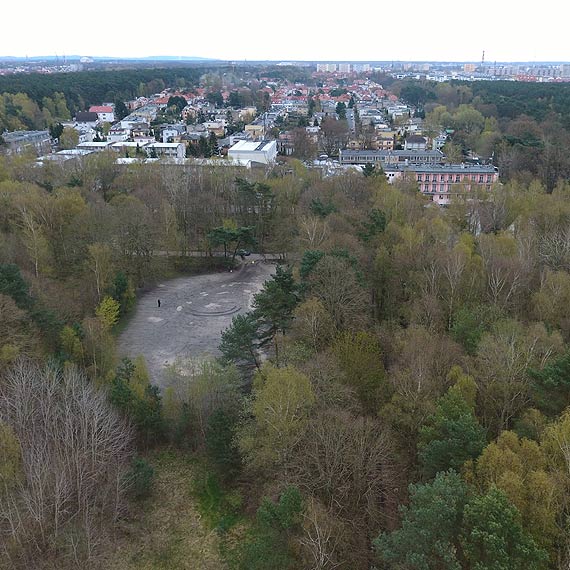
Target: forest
396, 398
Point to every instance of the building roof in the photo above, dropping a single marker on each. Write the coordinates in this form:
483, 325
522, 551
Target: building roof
100, 109
415, 139
252, 146
18, 136
444, 168
397, 153
86, 117
164, 145
103, 144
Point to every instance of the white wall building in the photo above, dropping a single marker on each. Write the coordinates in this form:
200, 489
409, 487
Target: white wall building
264, 152
169, 150
105, 113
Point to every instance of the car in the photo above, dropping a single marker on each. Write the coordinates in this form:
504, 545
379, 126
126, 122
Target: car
243, 252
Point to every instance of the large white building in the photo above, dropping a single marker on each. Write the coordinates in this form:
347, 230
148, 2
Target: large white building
264, 152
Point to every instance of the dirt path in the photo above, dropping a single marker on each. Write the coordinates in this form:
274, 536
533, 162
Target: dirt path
193, 313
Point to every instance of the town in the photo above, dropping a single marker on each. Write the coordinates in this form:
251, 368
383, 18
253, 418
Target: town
347, 120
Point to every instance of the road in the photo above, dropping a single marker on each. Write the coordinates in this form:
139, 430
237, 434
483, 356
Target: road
193, 312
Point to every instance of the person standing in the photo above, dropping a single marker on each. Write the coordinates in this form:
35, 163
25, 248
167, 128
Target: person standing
158, 303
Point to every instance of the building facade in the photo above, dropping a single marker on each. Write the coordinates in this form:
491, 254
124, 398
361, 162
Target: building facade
442, 181
384, 157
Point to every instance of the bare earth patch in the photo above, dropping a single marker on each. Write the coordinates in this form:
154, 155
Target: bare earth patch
193, 313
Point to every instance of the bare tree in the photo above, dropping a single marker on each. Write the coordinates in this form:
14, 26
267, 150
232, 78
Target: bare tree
346, 462
334, 284
75, 450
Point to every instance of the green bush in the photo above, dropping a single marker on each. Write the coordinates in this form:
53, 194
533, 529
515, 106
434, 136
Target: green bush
141, 478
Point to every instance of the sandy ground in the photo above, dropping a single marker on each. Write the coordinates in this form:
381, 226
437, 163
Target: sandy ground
193, 313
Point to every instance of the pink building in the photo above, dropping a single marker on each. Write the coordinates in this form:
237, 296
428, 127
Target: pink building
441, 181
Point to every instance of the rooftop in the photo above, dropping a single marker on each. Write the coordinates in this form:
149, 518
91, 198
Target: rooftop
443, 168
402, 153
100, 109
23, 135
251, 146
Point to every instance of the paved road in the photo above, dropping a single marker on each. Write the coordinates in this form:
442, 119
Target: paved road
193, 313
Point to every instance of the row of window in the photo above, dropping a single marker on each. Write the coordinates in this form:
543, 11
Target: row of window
458, 177
426, 188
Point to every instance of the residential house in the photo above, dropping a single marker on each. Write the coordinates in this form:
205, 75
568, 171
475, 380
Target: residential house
85, 118
415, 142
105, 113
129, 149
95, 146
172, 133
118, 133
167, 150
20, 141
255, 130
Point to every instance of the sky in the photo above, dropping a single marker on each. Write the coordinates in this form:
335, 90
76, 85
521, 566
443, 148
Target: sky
291, 30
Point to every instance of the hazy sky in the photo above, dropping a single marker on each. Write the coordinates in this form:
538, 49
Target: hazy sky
449, 30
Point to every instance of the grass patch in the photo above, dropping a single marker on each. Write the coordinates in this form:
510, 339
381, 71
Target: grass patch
167, 531
219, 507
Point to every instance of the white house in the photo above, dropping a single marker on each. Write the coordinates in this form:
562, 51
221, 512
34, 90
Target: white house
170, 133
264, 152
169, 150
106, 114
94, 146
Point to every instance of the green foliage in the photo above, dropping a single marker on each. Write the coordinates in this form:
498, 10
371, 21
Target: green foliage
493, 538
309, 261
360, 359
140, 478
266, 547
370, 170
232, 238
221, 443
121, 110
280, 409
122, 291
139, 400
551, 386
13, 284
373, 226
108, 312
318, 208
70, 342
417, 94
240, 341
177, 102
452, 435
429, 535
470, 323
341, 110
283, 515
518, 467
274, 305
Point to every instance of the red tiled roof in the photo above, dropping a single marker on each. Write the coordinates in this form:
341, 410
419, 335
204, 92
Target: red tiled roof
100, 109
